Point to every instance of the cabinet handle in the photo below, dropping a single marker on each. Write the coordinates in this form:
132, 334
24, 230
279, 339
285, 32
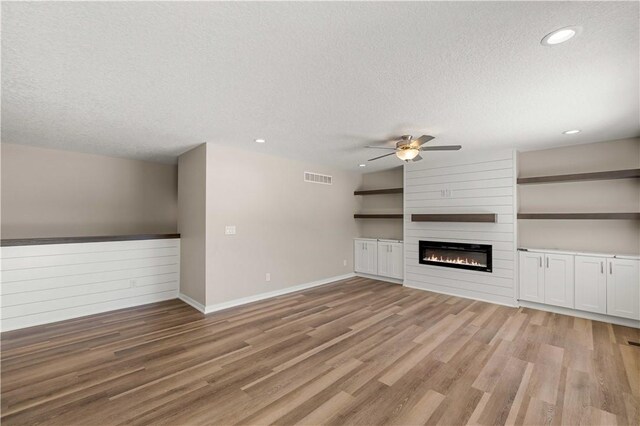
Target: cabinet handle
547, 263
602, 267
610, 268
540, 259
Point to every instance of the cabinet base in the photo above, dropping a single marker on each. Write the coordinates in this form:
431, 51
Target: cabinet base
581, 314
380, 278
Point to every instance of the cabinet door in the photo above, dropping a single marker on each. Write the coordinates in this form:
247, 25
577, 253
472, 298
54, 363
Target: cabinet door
371, 254
396, 260
558, 280
623, 288
359, 258
531, 277
591, 284
384, 264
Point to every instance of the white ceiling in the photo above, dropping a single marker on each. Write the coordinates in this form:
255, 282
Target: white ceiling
150, 80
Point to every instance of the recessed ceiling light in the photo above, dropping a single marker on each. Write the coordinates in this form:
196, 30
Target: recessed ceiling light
560, 36
363, 165
260, 140
571, 132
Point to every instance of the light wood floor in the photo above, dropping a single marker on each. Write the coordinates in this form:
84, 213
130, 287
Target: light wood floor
354, 352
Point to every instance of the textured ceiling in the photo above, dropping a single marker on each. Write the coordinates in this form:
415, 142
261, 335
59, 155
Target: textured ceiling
150, 80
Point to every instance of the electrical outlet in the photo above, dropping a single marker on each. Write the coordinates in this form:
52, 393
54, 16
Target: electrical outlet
230, 230
344, 262
267, 277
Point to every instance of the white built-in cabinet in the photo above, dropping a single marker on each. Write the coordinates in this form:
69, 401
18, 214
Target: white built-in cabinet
558, 280
601, 284
532, 276
547, 278
623, 288
390, 259
591, 284
366, 256
379, 257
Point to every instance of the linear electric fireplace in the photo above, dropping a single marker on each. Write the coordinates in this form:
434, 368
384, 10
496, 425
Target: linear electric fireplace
476, 257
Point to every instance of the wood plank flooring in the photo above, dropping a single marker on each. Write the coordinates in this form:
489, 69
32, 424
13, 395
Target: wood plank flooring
357, 351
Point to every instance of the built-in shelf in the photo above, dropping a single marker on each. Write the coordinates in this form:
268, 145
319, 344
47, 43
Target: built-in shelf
608, 175
378, 216
457, 217
379, 191
598, 216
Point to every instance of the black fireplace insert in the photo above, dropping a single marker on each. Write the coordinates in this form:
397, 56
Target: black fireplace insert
476, 257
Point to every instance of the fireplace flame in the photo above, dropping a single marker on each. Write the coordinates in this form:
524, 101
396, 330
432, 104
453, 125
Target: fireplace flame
456, 260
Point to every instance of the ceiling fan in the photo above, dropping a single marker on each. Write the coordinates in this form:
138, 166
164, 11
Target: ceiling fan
408, 149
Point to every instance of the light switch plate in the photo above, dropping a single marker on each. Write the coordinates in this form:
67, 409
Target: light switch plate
230, 230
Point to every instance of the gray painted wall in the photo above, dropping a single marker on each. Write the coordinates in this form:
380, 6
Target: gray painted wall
298, 232
192, 208
53, 193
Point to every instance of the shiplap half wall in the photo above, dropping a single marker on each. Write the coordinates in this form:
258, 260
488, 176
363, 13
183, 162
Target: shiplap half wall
47, 283
463, 183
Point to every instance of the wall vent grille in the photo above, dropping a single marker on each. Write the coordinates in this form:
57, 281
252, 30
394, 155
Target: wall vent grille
318, 178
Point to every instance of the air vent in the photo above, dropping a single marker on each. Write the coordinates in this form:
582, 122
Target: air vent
318, 178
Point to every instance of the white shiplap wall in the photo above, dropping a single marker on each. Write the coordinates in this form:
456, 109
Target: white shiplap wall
477, 183
40, 284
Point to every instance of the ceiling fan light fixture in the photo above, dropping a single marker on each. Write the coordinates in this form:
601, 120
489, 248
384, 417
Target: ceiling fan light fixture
407, 154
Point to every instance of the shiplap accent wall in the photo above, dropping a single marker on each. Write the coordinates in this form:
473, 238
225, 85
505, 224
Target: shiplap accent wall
472, 183
46, 283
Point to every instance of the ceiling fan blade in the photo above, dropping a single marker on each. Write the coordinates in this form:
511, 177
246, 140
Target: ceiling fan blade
386, 155
441, 148
380, 147
424, 139
417, 158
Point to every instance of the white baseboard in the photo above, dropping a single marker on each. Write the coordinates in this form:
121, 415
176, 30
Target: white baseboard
189, 301
581, 314
262, 296
379, 278
480, 299
547, 308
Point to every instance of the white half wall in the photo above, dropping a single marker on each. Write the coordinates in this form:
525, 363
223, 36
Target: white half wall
47, 283
477, 182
